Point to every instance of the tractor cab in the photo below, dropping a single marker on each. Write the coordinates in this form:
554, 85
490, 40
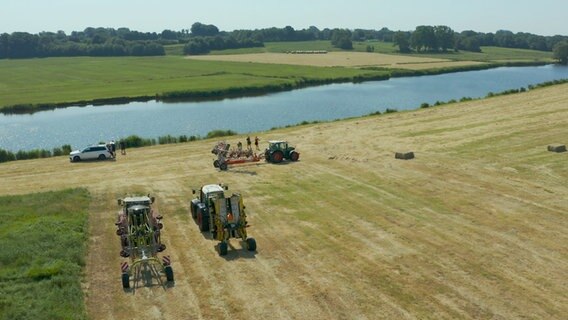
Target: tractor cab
138, 214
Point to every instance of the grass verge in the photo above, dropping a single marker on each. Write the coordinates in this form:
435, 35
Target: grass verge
43, 248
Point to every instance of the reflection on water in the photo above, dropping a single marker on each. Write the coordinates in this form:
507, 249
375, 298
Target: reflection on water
80, 126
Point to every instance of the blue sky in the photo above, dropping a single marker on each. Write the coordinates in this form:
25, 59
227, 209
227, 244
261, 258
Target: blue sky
544, 17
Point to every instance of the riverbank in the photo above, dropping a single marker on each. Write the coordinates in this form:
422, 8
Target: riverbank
135, 141
45, 84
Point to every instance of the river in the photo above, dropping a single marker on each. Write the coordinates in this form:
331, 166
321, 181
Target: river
81, 126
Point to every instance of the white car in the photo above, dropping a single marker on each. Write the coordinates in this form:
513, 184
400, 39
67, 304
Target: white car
99, 152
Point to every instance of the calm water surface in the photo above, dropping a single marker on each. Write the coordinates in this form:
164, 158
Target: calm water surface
81, 126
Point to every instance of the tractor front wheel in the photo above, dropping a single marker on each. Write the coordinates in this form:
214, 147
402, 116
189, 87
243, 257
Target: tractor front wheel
223, 166
125, 281
294, 156
216, 163
203, 220
169, 273
251, 244
223, 248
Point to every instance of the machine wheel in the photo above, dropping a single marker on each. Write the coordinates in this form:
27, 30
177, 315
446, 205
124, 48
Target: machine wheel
223, 166
193, 208
251, 244
223, 248
169, 273
276, 156
216, 163
125, 280
76, 159
102, 157
203, 220
294, 156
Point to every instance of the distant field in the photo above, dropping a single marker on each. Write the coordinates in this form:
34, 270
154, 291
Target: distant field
475, 227
488, 54
340, 59
71, 80
55, 80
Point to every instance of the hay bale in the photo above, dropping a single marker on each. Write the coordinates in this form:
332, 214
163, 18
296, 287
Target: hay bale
557, 148
404, 155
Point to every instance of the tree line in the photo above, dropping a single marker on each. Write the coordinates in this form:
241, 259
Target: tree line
442, 38
202, 38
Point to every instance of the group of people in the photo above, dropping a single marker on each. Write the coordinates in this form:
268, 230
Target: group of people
111, 147
249, 147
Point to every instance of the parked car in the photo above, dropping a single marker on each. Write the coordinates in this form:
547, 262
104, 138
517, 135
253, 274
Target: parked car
98, 152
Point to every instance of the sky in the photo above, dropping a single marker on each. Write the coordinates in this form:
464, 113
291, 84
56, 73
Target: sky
544, 17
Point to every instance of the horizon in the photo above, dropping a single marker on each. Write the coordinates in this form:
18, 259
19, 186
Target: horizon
35, 16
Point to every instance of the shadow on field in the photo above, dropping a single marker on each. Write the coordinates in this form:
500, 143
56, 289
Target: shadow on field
237, 252
250, 173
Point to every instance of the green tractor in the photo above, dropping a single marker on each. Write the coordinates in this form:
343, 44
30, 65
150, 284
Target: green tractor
278, 151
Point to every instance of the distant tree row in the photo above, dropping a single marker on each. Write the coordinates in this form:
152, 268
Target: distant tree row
442, 38
48, 44
202, 38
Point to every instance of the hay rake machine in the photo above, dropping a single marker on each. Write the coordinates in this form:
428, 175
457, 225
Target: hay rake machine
139, 228
227, 156
224, 217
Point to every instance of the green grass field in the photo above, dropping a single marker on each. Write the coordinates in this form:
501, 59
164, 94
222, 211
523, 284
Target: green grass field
60, 80
79, 79
43, 238
487, 54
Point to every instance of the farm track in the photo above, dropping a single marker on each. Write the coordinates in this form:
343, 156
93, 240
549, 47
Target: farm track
474, 228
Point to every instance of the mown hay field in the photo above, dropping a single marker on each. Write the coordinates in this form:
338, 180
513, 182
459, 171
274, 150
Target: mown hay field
474, 227
340, 59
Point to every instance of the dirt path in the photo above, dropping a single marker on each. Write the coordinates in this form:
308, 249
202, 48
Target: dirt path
475, 227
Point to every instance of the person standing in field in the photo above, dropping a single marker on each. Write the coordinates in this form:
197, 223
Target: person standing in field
113, 148
248, 143
256, 142
122, 147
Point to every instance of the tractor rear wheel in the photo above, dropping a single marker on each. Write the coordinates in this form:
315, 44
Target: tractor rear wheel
223, 248
216, 163
223, 166
276, 156
169, 273
294, 156
125, 281
251, 244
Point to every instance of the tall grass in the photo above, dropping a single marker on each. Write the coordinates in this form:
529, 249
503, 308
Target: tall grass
43, 240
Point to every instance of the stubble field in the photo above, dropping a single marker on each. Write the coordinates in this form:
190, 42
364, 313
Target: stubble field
341, 59
474, 227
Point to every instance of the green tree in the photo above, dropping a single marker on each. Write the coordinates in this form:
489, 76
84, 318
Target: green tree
445, 37
402, 40
469, 44
341, 38
504, 38
423, 38
560, 52
200, 29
